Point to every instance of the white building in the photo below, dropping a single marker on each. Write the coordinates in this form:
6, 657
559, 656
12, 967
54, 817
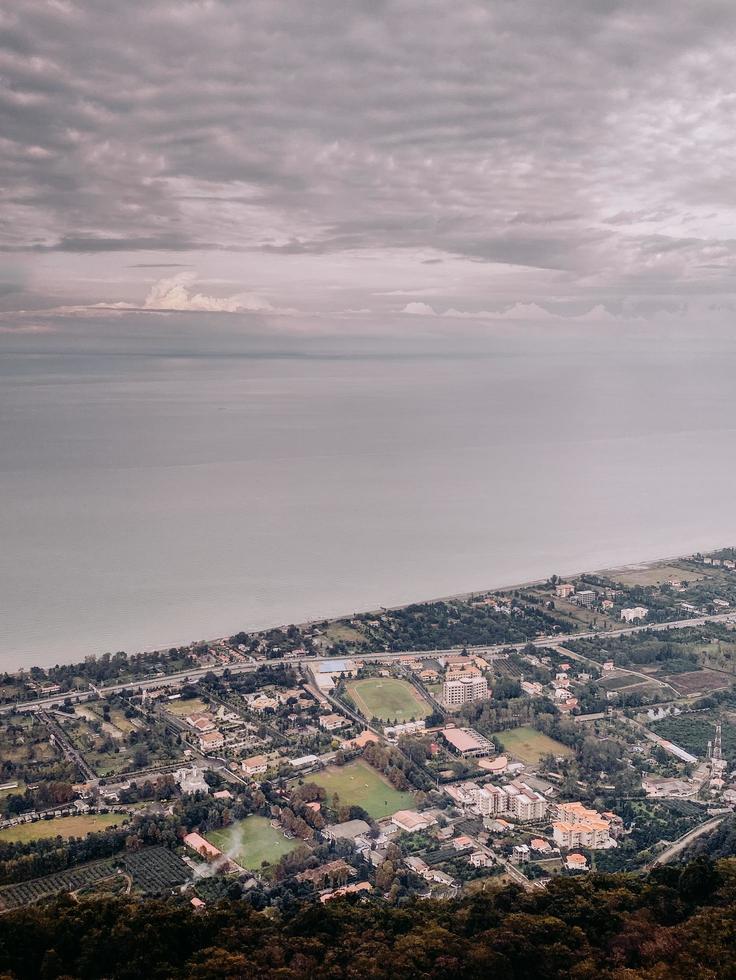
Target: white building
633, 613
463, 690
586, 597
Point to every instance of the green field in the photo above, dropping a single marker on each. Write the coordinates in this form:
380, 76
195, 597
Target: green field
358, 784
252, 841
62, 827
388, 698
529, 745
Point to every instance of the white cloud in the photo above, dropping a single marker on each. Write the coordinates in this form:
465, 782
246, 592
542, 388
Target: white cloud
419, 309
175, 294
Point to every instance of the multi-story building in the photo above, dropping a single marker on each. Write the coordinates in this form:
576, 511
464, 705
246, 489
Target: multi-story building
578, 826
586, 597
464, 690
632, 614
564, 589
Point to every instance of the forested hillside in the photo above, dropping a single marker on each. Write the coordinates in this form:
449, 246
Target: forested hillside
678, 922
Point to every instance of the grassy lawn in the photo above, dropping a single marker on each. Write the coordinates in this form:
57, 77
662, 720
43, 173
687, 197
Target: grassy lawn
184, 707
252, 841
358, 784
529, 745
387, 698
652, 574
62, 827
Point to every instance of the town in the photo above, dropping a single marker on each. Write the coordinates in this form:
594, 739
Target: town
561, 727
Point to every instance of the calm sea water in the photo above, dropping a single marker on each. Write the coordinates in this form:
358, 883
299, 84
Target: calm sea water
157, 495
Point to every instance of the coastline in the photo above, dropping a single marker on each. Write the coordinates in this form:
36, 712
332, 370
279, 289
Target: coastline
449, 597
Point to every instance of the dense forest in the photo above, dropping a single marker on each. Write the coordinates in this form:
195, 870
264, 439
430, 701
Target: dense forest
680, 921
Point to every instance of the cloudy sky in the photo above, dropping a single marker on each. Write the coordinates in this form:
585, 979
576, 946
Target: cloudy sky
405, 159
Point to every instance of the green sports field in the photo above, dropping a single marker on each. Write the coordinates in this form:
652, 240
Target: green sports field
388, 698
76, 826
358, 784
529, 745
252, 841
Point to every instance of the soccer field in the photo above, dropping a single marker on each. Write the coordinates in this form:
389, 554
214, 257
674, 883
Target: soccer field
358, 784
529, 745
252, 841
388, 698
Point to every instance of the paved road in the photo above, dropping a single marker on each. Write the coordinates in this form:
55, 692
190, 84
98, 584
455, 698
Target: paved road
679, 845
172, 680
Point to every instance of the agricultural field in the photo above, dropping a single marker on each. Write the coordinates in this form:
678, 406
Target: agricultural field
529, 745
692, 731
66, 827
697, 682
252, 841
358, 784
27, 892
185, 706
388, 699
156, 870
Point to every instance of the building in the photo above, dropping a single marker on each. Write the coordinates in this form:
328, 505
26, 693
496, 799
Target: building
607, 604
576, 862
202, 847
411, 821
466, 741
533, 688
211, 740
634, 613
201, 722
254, 765
527, 805
586, 598
332, 721
497, 766
564, 590
365, 738
405, 728
191, 781
464, 690
304, 761
348, 830
578, 826
359, 886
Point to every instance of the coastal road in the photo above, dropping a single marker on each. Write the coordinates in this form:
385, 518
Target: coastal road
160, 682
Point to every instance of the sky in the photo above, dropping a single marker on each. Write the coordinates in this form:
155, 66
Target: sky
327, 165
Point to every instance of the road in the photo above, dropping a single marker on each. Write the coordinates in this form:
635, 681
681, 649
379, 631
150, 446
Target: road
679, 845
173, 680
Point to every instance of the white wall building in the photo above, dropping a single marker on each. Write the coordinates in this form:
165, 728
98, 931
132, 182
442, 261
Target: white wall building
463, 690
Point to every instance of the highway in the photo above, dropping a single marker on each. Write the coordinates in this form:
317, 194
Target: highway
160, 682
679, 845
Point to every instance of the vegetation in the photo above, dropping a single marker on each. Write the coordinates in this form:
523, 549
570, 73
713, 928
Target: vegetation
529, 745
252, 842
675, 923
359, 784
65, 827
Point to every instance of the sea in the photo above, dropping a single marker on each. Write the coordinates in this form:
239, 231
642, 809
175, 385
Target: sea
187, 483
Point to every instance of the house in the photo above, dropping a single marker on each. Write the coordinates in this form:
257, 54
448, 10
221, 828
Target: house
496, 766
365, 738
533, 688
411, 821
564, 590
201, 722
262, 702
348, 830
405, 728
334, 871
211, 740
607, 604
222, 794
416, 864
196, 903
540, 845
202, 847
479, 860
191, 781
359, 886
254, 765
576, 862
428, 675
608, 665
332, 721
634, 613
462, 842
520, 854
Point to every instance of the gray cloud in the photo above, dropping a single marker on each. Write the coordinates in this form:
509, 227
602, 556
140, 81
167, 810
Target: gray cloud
591, 141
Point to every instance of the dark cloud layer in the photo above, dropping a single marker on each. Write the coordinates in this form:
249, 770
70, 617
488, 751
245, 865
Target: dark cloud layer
592, 140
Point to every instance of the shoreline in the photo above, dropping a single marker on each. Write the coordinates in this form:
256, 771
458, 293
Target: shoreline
448, 597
